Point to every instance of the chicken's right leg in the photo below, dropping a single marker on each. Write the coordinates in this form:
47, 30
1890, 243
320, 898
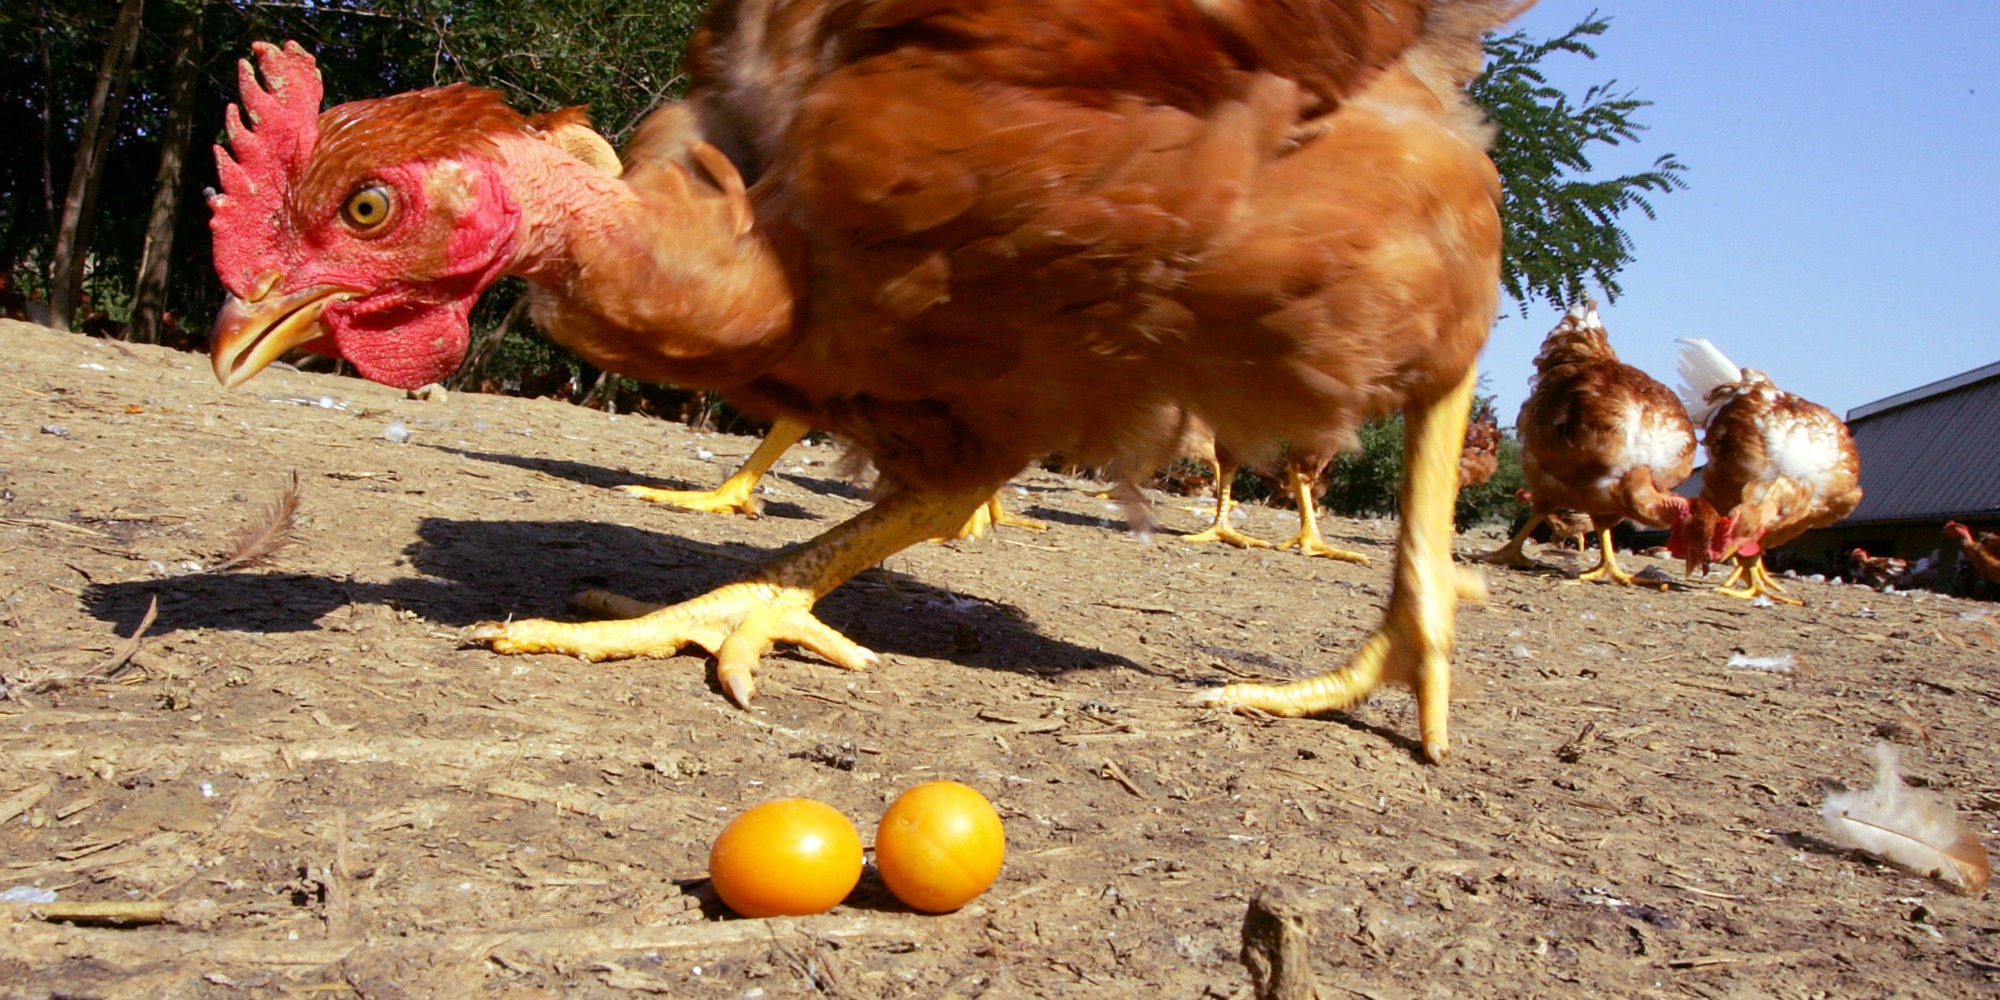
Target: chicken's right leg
1607, 564
1221, 530
1511, 554
737, 494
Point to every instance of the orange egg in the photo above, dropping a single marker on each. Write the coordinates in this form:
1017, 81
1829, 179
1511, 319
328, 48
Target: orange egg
786, 858
939, 845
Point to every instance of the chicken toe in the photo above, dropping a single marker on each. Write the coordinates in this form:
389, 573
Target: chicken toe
740, 622
1308, 540
1755, 582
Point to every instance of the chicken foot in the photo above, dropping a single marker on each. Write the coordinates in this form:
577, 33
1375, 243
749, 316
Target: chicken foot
992, 515
737, 494
1757, 582
1222, 531
1308, 540
1513, 553
740, 622
1607, 564
1413, 644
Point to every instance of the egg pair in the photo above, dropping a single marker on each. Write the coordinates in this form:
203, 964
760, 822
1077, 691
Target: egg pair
939, 845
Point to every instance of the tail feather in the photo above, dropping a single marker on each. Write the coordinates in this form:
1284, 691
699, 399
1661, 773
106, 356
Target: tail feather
1703, 369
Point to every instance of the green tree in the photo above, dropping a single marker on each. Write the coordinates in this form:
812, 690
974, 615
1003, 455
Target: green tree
1562, 231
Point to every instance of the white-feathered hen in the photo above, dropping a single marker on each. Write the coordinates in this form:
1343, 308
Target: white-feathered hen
1778, 466
1600, 438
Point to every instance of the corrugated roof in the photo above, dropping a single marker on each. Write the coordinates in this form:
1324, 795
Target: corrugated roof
1931, 453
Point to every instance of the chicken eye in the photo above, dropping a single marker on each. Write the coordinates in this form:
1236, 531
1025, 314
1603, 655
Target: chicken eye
368, 208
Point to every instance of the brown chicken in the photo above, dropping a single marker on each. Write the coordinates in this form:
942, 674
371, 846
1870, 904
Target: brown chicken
1778, 466
1600, 438
961, 235
1876, 571
1982, 552
1481, 457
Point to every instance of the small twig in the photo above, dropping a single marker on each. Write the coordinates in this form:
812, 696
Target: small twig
1117, 774
121, 656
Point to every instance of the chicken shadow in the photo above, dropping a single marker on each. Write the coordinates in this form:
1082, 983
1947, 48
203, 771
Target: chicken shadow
474, 571
608, 479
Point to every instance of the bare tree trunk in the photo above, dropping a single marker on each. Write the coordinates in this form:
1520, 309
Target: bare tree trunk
48, 130
155, 260
72, 247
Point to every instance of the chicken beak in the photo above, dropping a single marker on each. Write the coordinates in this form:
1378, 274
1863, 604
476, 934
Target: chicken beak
251, 333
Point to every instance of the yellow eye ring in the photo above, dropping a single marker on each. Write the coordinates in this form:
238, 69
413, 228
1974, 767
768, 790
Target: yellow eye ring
368, 208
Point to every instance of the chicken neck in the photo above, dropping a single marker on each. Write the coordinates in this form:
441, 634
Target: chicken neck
661, 274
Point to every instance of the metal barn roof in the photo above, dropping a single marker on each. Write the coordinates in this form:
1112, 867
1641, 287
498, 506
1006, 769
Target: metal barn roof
1931, 453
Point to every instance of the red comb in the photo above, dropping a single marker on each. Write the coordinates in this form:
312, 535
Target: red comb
268, 151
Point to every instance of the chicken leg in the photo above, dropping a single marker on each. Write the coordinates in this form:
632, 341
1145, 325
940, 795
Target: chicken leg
1413, 644
1757, 582
739, 622
1308, 540
737, 494
1222, 531
1513, 553
992, 515
1607, 564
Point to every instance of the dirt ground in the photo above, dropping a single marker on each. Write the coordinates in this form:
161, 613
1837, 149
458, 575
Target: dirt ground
334, 796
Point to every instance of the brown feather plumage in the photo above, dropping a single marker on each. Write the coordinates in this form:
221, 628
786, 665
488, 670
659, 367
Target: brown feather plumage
266, 534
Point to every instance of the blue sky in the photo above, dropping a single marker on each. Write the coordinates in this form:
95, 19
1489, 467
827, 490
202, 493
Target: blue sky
1841, 226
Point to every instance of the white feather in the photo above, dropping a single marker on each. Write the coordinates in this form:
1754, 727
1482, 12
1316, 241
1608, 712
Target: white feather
1911, 827
1704, 369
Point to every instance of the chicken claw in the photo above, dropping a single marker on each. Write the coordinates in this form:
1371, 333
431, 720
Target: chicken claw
1750, 569
737, 494
992, 515
1513, 553
739, 622
1607, 566
1308, 540
1413, 644
1222, 531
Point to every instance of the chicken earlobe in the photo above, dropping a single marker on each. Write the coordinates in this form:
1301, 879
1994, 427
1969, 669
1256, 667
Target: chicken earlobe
1413, 645
741, 621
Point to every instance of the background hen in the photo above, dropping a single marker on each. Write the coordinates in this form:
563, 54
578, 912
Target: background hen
1600, 438
960, 235
1778, 466
1982, 552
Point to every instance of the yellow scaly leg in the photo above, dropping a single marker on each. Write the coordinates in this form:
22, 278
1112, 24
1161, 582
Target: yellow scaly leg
1413, 644
1308, 541
1512, 554
1607, 564
1758, 582
992, 515
737, 494
1222, 531
739, 622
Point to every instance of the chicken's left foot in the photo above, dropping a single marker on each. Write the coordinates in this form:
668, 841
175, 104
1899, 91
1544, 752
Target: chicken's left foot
740, 622
1308, 540
993, 515
1607, 566
737, 623
1759, 583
